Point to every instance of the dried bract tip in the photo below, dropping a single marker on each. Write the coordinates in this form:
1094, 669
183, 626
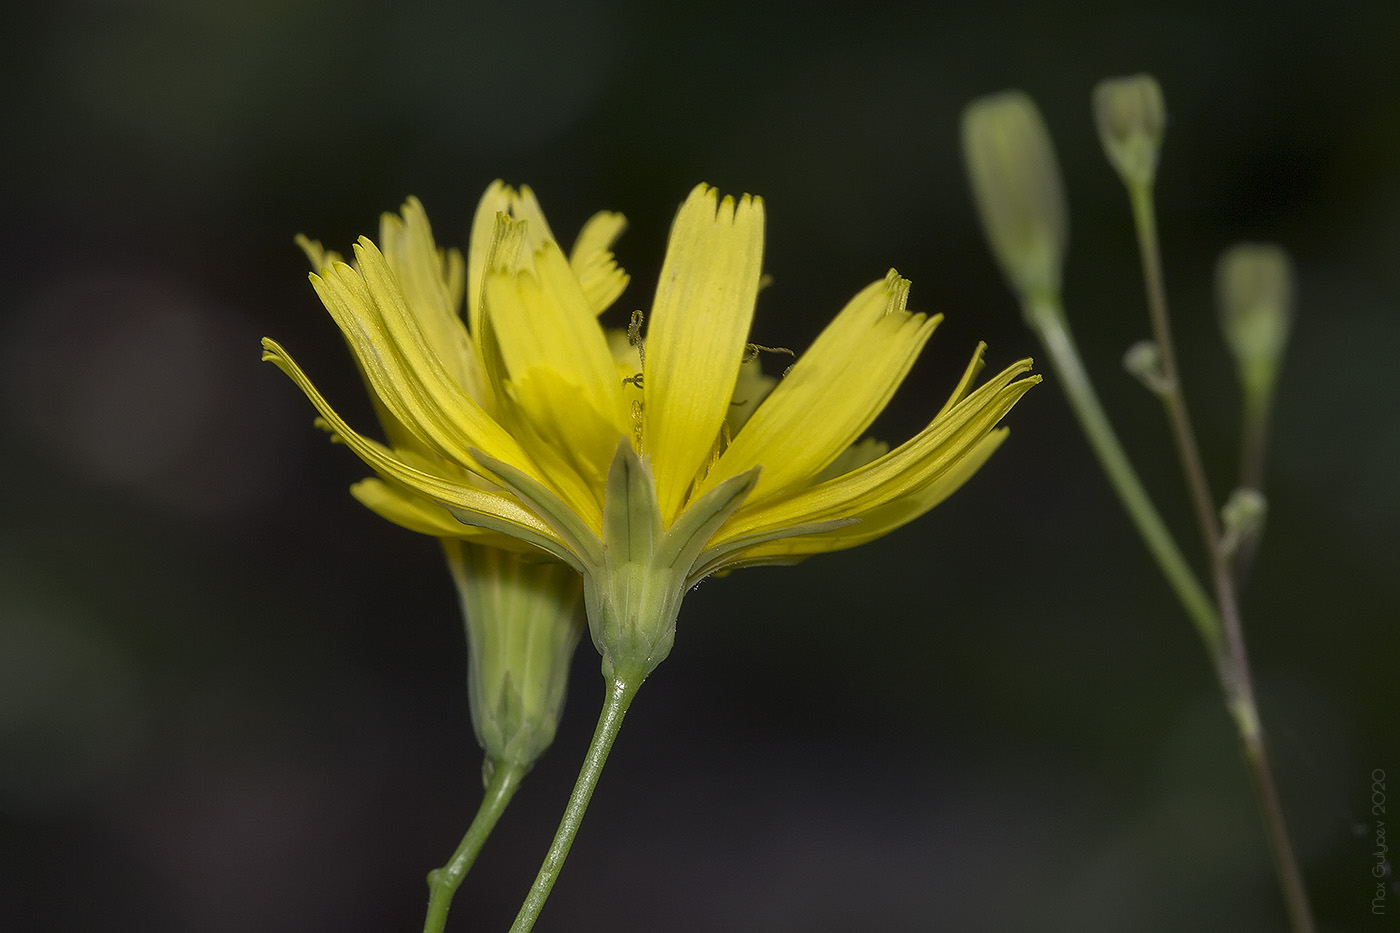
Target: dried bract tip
1254, 296
1020, 195
1131, 117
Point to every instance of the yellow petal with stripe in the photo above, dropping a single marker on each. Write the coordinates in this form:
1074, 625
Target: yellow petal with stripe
496, 200
558, 365
444, 490
499, 198
406, 375
407, 509
429, 277
696, 335
882, 519
832, 393
899, 473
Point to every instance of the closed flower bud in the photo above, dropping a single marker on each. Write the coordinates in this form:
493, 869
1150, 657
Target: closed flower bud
1242, 521
1254, 295
524, 617
1020, 195
1143, 361
1131, 118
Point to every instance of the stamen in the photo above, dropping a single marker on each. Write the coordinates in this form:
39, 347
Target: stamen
634, 337
752, 350
637, 439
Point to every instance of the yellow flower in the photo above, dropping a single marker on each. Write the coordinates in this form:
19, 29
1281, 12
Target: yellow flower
630, 460
523, 617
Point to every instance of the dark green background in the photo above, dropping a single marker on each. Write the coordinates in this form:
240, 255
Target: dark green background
232, 700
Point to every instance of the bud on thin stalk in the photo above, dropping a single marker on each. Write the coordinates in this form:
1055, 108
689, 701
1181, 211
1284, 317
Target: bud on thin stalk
1254, 297
1131, 117
1020, 196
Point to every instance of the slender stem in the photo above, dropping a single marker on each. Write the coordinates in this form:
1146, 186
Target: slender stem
1254, 437
1233, 668
1047, 318
443, 882
1238, 688
620, 693
1254, 432
1144, 219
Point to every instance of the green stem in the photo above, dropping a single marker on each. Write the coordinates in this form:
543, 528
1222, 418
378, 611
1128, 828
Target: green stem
1254, 437
1295, 891
620, 693
1144, 219
1047, 318
443, 882
1233, 668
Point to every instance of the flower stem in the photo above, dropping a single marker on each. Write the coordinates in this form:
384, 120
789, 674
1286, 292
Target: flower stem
621, 690
1233, 667
1047, 318
443, 882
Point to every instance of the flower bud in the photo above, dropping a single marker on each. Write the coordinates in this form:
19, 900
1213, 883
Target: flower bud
1131, 117
1242, 521
1143, 361
524, 617
1020, 196
1254, 296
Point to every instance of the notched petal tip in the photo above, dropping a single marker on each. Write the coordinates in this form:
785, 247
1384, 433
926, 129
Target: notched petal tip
898, 288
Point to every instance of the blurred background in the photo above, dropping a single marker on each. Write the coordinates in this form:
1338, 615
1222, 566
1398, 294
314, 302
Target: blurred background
231, 699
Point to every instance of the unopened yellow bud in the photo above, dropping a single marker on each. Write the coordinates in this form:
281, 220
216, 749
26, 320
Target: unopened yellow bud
1254, 295
1020, 196
1132, 118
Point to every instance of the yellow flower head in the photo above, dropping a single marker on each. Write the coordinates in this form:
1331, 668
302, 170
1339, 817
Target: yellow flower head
646, 464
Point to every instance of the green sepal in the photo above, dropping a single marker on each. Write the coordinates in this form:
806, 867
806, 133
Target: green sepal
631, 516
634, 595
694, 528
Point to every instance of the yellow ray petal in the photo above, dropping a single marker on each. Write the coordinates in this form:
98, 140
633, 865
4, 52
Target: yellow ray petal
496, 200
556, 357
499, 198
859, 454
404, 373
319, 257
322, 260
833, 392
563, 419
407, 509
449, 492
696, 335
423, 273
878, 521
593, 263
900, 473
525, 206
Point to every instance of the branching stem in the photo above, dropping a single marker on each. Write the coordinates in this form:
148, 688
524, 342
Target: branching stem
1233, 667
443, 882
